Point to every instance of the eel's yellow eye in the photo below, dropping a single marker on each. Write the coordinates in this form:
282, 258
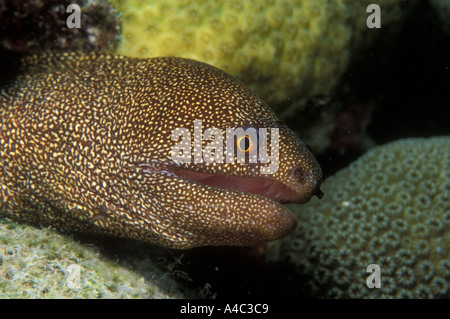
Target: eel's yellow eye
245, 144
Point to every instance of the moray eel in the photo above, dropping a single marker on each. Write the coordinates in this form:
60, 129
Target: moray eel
86, 146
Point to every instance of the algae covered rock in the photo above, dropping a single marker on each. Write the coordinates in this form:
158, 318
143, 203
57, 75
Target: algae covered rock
390, 208
41, 263
282, 49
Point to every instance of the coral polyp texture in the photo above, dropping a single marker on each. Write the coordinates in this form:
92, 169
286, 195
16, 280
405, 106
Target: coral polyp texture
390, 208
41, 263
282, 49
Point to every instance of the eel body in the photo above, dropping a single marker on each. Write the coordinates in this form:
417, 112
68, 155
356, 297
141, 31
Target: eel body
86, 145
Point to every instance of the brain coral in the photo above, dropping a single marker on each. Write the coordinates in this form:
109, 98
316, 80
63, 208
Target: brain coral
282, 49
391, 208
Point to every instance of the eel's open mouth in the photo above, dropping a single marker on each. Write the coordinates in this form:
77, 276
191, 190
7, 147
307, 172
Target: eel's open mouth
271, 189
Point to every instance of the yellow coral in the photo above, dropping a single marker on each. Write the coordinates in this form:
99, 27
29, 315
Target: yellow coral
391, 208
280, 48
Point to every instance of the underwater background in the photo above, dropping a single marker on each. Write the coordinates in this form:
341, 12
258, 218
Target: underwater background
373, 104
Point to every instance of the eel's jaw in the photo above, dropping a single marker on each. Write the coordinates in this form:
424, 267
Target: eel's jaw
263, 220
268, 188
211, 215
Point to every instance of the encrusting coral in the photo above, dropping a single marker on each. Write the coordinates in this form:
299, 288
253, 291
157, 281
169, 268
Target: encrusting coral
41, 263
391, 208
281, 49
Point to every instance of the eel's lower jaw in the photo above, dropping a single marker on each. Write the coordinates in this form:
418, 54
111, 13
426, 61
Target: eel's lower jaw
265, 187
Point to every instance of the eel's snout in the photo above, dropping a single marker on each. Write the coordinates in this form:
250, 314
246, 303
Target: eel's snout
306, 176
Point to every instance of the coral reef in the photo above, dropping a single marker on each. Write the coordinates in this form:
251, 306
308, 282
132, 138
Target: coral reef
41, 263
391, 208
283, 49
32, 26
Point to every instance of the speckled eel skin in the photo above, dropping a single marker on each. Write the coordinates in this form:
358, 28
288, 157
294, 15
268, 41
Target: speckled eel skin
86, 146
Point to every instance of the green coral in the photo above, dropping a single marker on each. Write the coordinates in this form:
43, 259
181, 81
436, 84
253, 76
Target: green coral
391, 208
40, 263
282, 49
